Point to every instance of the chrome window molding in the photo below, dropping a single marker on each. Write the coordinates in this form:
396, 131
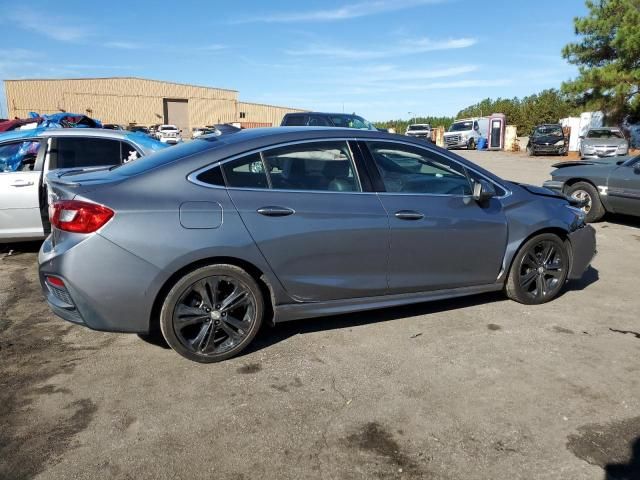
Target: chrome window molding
192, 177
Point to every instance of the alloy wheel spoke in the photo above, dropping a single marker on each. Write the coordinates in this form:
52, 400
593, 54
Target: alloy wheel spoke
234, 322
189, 315
233, 335
238, 297
540, 286
529, 277
203, 335
549, 252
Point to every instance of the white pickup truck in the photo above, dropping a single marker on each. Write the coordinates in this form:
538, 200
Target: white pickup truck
27, 156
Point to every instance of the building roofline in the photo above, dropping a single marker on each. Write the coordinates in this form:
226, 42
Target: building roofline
114, 78
271, 105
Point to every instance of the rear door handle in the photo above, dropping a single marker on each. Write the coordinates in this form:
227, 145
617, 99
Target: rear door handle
409, 215
21, 183
275, 211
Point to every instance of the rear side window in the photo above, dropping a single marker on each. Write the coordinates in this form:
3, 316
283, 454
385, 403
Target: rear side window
295, 120
19, 156
246, 172
74, 152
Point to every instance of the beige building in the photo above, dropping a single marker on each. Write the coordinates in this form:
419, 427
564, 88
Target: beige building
131, 100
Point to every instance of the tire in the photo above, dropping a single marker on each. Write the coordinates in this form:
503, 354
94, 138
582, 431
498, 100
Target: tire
534, 279
472, 144
195, 322
585, 191
530, 151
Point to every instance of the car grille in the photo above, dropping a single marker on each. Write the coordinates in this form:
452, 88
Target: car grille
452, 139
605, 149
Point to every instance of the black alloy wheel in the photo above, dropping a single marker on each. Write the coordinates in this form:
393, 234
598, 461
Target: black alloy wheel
539, 270
212, 314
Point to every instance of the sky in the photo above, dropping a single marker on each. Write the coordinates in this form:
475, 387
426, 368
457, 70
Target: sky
382, 59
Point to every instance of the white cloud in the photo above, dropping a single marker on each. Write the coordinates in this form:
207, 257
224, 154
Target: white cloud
64, 29
125, 45
406, 47
353, 10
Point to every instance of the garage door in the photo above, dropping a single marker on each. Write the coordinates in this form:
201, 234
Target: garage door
176, 112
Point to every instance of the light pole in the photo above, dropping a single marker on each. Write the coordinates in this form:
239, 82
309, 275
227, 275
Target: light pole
411, 115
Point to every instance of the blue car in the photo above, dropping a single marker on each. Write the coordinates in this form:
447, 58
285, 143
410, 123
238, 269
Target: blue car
26, 156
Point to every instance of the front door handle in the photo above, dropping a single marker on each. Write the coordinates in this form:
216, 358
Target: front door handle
275, 211
409, 215
21, 183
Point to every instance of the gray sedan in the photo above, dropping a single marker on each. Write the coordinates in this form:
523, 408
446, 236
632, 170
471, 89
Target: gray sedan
604, 185
603, 142
209, 240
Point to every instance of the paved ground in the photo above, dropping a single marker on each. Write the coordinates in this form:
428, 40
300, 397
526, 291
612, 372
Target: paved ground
475, 388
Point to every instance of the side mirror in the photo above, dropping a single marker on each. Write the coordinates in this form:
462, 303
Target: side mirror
483, 191
581, 137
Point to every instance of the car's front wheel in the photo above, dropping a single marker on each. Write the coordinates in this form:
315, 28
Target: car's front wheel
587, 193
472, 144
530, 151
212, 313
539, 270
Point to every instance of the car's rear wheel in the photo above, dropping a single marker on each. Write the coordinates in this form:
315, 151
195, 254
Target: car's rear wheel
539, 270
212, 313
585, 192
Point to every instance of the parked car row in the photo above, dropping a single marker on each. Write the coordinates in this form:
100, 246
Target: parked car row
27, 156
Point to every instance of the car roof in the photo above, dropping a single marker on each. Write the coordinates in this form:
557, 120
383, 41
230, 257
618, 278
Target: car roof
141, 140
615, 129
323, 113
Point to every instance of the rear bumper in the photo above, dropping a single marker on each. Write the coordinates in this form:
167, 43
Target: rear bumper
583, 249
106, 287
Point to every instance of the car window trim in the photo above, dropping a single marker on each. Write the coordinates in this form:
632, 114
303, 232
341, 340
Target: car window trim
464, 167
193, 176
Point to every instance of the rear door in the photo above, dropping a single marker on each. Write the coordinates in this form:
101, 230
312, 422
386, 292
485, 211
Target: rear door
324, 236
440, 237
624, 188
20, 175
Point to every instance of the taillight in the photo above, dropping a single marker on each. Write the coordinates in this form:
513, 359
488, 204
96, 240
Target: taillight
77, 216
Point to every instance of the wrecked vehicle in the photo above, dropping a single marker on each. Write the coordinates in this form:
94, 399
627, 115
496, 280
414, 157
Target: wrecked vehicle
27, 156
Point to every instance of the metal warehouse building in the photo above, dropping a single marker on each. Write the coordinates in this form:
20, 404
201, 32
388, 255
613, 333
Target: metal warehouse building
131, 100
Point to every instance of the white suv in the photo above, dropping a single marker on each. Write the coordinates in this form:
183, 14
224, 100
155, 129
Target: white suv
168, 134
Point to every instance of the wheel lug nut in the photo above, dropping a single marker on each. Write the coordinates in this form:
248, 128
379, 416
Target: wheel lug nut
224, 314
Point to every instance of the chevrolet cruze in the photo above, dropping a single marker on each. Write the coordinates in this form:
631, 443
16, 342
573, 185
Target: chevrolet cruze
208, 240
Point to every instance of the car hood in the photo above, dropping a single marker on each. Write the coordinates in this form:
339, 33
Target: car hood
611, 161
545, 192
603, 141
546, 139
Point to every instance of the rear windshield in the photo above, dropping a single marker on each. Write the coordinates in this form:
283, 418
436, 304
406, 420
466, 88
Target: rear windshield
168, 155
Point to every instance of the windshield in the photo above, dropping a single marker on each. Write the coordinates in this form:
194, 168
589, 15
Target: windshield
552, 130
604, 133
352, 121
168, 127
461, 126
419, 127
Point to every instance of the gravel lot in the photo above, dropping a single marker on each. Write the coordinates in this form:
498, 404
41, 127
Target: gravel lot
474, 388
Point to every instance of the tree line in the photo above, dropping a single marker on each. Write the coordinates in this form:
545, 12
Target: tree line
607, 54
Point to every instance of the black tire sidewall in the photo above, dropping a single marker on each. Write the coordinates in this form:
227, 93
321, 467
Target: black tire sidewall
166, 313
514, 289
597, 209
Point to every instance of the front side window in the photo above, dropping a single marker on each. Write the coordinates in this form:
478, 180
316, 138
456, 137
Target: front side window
407, 169
72, 152
312, 166
19, 156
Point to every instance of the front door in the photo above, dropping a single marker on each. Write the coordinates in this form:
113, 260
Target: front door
303, 204
440, 237
624, 188
20, 174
